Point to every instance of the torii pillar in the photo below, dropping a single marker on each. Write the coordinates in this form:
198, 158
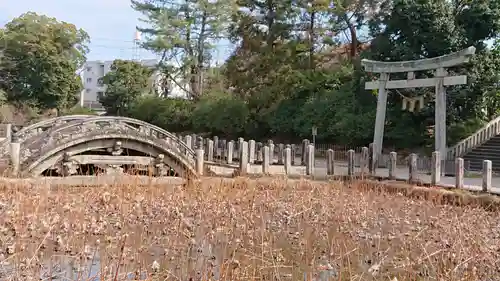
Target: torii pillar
440, 80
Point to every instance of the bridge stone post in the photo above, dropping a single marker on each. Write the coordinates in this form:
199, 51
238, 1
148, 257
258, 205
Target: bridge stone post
265, 160
159, 163
199, 161
230, 152
243, 158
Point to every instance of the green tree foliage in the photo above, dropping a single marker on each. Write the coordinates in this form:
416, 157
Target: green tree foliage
296, 65
416, 29
285, 75
220, 113
172, 114
40, 57
183, 34
125, 83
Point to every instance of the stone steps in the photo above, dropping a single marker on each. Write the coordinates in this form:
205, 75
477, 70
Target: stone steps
489, 150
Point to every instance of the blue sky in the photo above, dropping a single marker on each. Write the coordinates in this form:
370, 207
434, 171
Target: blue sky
110, 23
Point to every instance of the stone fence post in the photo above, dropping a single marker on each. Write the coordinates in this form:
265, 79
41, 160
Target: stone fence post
435, 168
365, 160
350, 162
265, 160
199, 161
288, 160
281, 151
243, 158
294, 162
15, 155
189, 141
487, 167
210, 150
240, 145
412, 167
216, 151
271, 151
8, 132
330, 162
310, 160
230, 152
393, 160
305, 145
459, 173
251, 151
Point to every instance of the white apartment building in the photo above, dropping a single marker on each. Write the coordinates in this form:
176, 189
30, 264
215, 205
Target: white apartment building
93, 88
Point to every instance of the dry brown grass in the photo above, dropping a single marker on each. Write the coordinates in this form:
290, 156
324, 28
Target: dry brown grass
241, 229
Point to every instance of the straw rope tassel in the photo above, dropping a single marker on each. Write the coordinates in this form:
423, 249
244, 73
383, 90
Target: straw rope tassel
412, 104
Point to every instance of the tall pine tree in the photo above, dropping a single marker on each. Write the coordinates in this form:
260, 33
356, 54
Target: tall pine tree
184, 33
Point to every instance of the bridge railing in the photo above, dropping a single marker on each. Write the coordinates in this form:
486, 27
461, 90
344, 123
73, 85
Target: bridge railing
487, 132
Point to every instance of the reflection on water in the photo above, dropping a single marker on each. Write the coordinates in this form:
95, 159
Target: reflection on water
59, 268
73, 268
88, 268
64, 268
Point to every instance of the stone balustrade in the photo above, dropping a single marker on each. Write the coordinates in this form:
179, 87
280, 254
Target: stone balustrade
244, 156
241, 155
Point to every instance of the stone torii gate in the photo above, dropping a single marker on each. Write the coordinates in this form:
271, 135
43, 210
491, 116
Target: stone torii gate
440, 80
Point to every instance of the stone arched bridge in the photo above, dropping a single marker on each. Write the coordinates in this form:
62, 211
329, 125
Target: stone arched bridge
80, 144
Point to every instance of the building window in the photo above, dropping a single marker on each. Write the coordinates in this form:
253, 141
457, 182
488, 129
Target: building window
89, 80
99, 82
100, 95
89, 68
87, 90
